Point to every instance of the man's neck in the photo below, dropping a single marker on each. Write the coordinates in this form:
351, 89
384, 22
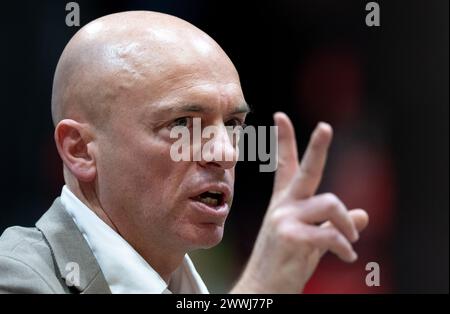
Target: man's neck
162, 260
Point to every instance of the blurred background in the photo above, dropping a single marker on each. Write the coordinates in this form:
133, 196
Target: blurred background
384, 90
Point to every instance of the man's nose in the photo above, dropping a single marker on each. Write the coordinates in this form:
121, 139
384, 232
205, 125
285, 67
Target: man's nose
219, 150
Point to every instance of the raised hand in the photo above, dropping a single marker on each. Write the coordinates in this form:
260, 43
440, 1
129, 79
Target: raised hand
299, 226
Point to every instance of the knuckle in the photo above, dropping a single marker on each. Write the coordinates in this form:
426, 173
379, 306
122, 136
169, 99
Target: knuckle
307, 239
333, 236
287, 235
277, 217
333, 203
331, 198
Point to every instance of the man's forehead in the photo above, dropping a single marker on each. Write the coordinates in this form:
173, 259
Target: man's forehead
134, 68
162, 110
188, 94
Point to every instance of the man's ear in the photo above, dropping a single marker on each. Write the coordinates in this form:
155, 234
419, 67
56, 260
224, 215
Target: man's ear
73, 142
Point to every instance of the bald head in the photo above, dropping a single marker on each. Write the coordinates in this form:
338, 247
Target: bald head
122, 59
122, 85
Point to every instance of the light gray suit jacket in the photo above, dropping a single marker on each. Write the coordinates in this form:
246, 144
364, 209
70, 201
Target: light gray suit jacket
37, 260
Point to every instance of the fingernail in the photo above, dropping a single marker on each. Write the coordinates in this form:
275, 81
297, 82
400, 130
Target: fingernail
324, 125
354, 256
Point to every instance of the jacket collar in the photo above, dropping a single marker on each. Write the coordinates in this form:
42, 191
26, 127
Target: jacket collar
68, 246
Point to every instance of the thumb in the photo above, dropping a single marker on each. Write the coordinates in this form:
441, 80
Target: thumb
360, 218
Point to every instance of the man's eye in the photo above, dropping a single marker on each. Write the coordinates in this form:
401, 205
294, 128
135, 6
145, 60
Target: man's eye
235, 123
184, 121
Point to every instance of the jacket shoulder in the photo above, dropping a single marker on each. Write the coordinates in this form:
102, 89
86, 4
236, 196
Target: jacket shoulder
26, 263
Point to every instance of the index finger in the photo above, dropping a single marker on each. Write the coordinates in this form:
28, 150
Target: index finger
313, 162
287, 152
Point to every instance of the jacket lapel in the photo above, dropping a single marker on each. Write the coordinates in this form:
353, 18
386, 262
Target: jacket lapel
71, 252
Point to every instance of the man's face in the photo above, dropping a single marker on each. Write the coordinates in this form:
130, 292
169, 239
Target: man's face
145, 192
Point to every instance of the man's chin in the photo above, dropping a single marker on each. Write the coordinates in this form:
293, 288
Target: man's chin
204, 236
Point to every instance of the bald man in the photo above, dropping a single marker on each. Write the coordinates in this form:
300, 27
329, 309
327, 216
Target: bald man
128, 214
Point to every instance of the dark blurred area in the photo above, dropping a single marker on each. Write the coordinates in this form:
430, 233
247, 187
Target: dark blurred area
384, 90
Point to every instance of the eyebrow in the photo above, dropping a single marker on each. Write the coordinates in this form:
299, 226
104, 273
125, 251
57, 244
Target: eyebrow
186, 108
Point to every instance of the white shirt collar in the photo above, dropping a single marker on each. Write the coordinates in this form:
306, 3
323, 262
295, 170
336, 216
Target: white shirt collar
124, 269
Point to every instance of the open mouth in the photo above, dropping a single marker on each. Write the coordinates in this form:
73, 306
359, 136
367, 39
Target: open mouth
211, 198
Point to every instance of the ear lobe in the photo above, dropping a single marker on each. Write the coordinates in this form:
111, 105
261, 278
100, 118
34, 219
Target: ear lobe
73, 141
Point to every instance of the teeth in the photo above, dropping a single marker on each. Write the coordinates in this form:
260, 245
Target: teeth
211, 198
209, 201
